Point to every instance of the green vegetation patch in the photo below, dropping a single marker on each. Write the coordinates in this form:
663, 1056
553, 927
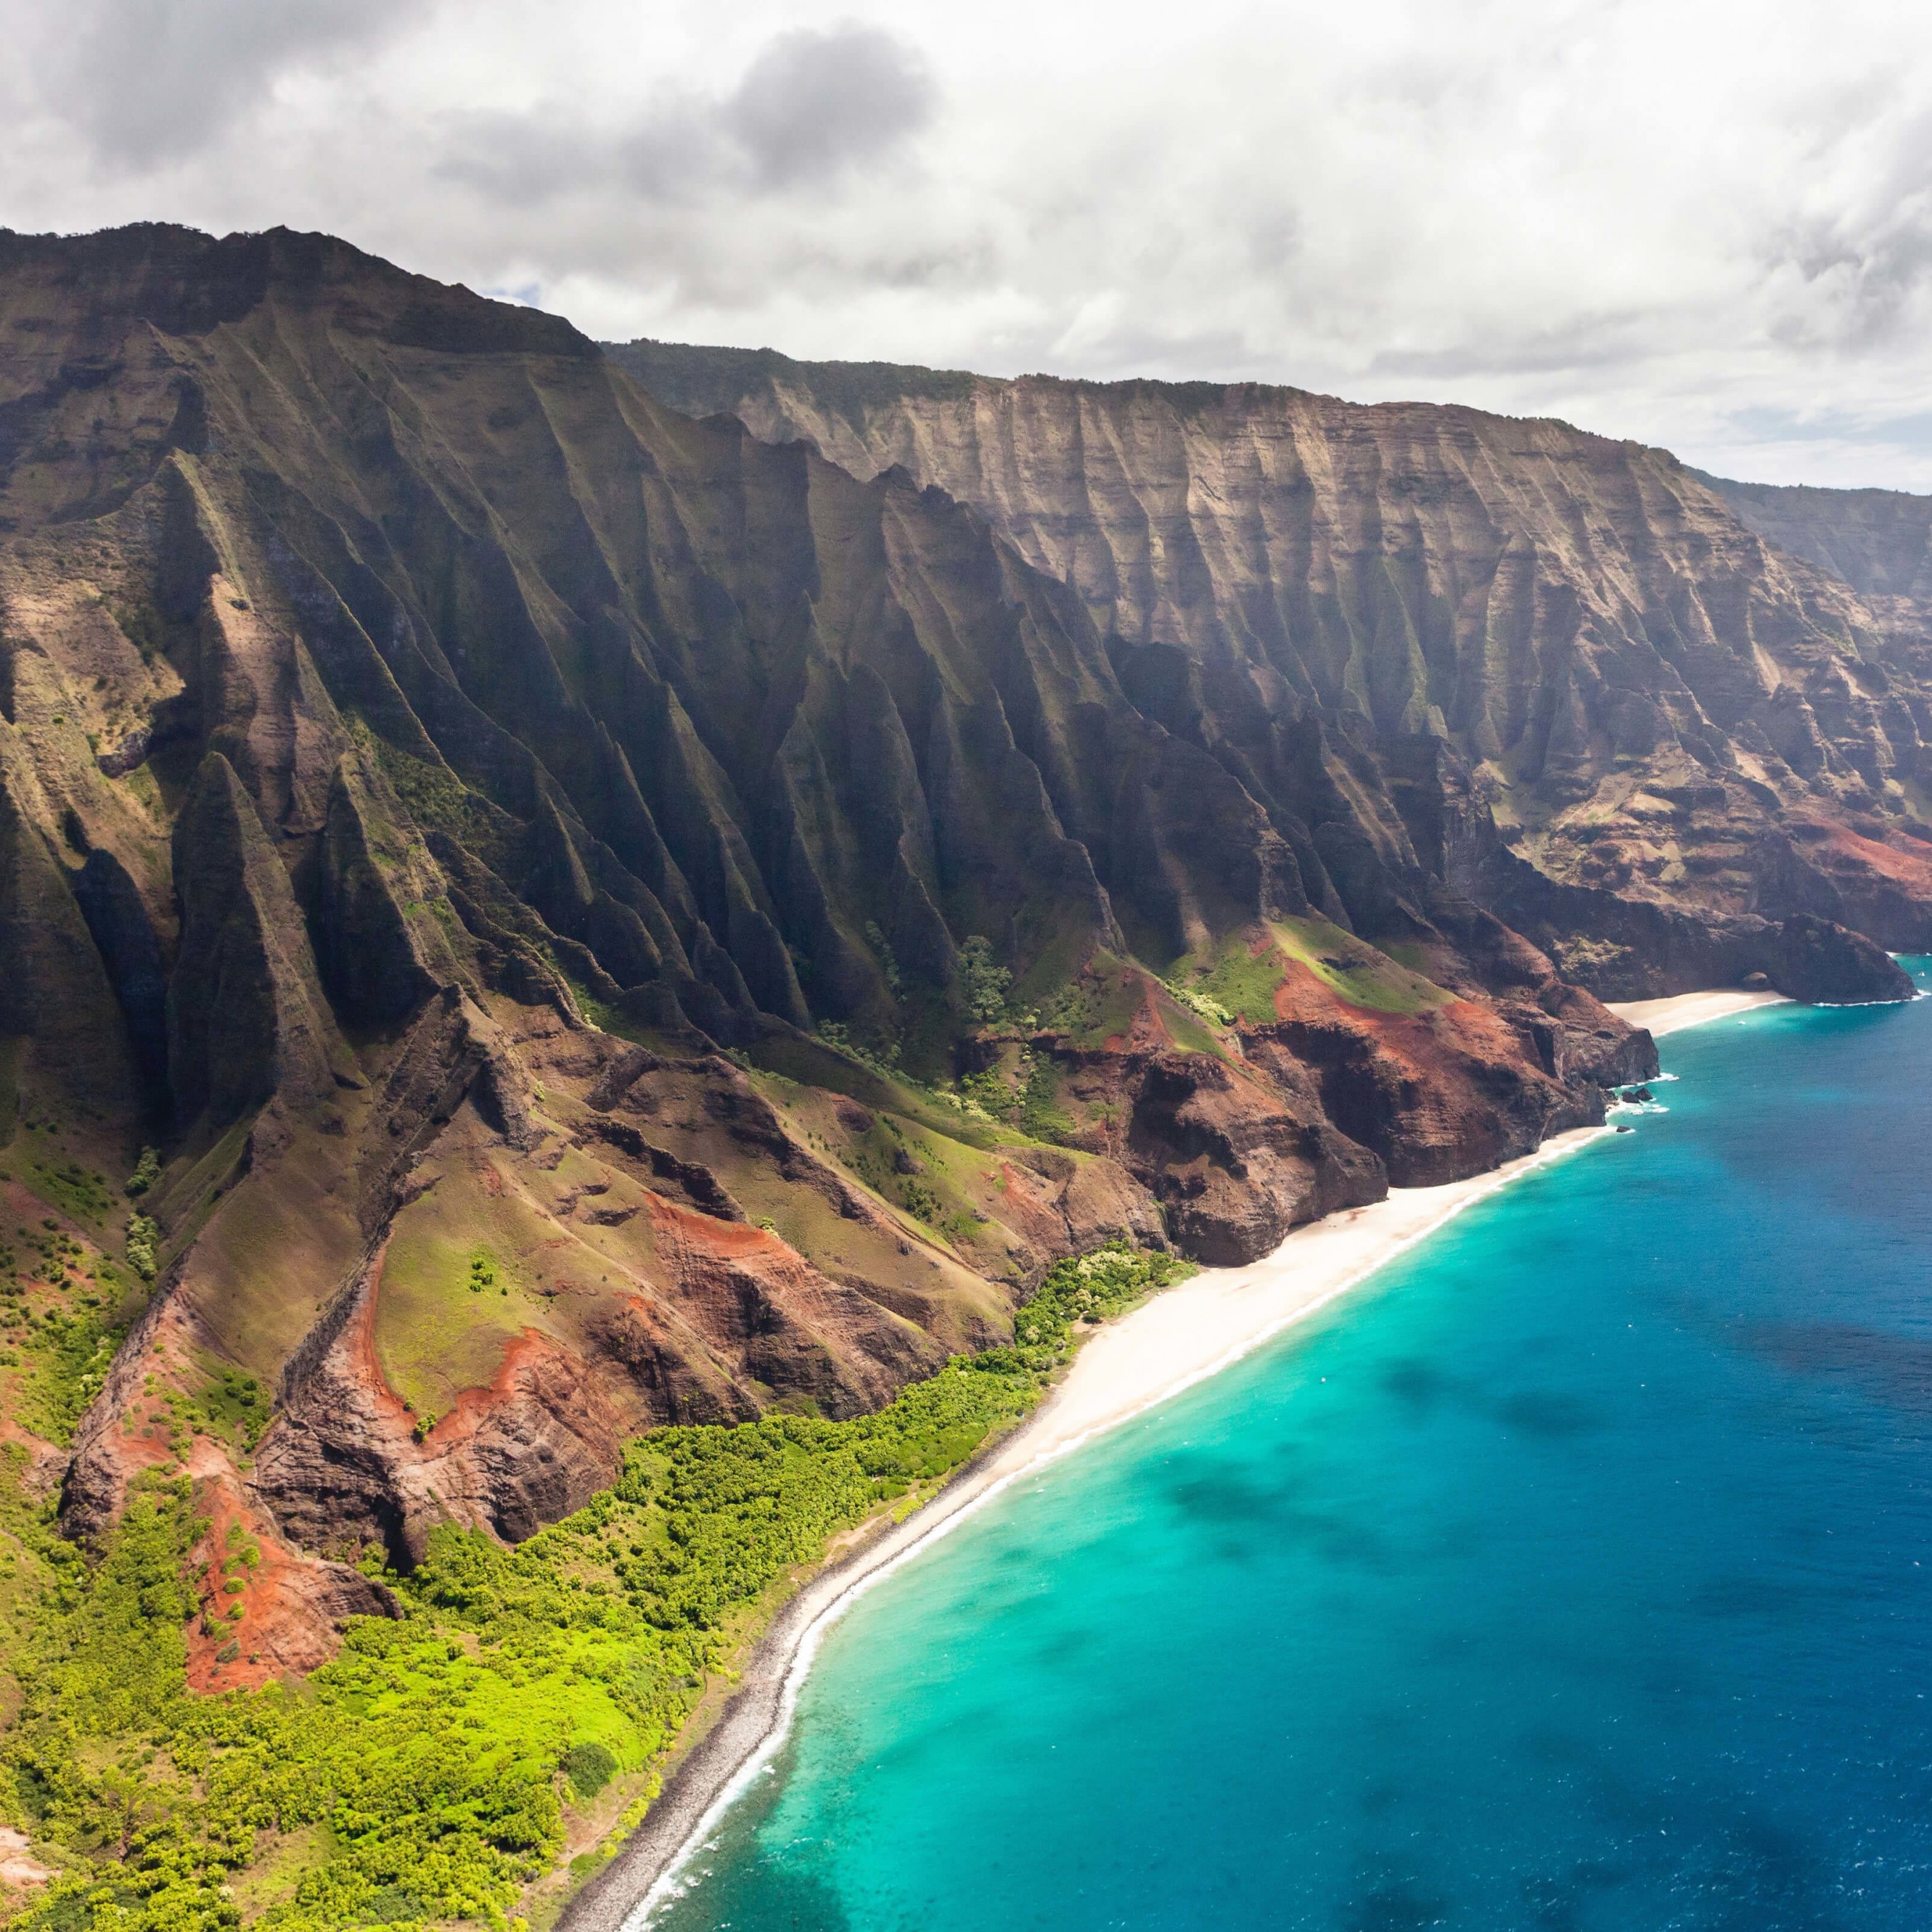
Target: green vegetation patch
589, 1768
433, 1340
143, 1242
80, 1193
65, 1356
1090, 1288
438, 800
1021, 1087
59, 1326
1239, 978
424, 1774
1184, 1027
1356, 971
984, 983
928, 1174
1101, 1004
1413, 956
832, 1062
1242, 975
232, 1405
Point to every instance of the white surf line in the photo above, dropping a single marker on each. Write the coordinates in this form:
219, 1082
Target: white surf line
1024, 1454
666, 1885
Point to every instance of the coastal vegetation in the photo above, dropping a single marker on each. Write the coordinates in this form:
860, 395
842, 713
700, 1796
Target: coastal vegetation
432, 1770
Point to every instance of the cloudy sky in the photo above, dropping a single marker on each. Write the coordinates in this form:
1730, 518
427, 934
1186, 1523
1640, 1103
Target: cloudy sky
1698, 223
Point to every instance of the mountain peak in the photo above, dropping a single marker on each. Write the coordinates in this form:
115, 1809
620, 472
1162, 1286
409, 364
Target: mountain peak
184, 282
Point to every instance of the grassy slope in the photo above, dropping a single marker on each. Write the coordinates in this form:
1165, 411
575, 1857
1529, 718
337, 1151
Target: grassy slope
1244, 971
526, 1700
931, 1155
66, 1297
456, 1290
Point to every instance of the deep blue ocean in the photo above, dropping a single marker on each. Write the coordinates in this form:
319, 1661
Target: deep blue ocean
1574, 1574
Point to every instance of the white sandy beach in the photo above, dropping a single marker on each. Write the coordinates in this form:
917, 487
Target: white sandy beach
1170, 1343
1689, 1010
1188, 1333
1192, 1331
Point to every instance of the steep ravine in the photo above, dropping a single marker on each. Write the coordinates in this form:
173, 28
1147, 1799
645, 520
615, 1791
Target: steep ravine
605, 918
1477, 630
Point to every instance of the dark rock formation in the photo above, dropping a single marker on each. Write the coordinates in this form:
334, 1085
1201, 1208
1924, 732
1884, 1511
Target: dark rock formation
247, 1019
618, 920
1233, 1158
1636, 949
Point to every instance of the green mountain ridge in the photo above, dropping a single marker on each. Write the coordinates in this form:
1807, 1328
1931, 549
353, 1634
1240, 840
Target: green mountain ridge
530, 917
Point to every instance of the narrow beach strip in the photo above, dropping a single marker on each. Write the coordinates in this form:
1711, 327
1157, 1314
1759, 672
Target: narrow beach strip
1177, 1339
1688, 1009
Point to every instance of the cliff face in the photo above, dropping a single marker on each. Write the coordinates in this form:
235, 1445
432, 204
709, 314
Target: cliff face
1480, 632
1878, 542
606, 920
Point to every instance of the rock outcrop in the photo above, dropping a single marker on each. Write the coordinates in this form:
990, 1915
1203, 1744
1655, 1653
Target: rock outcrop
607, 919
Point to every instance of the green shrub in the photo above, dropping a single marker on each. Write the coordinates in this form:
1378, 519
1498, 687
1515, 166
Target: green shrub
588, 1769
425, 1756
983, 983
1107, 1282
1039, 1113
919, 1201
888, 966
144, 1237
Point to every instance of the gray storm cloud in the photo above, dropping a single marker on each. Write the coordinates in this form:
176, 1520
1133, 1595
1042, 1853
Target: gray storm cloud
810, 105
150, 81
814, 103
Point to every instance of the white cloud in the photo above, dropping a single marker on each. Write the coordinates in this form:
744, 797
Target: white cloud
1702, 223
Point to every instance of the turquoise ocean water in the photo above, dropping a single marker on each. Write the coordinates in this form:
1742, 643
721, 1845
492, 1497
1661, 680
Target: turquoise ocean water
1575, 1575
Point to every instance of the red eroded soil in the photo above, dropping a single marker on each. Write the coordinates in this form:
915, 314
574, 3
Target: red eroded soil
290, 1604
1907, 862
1438, 1094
